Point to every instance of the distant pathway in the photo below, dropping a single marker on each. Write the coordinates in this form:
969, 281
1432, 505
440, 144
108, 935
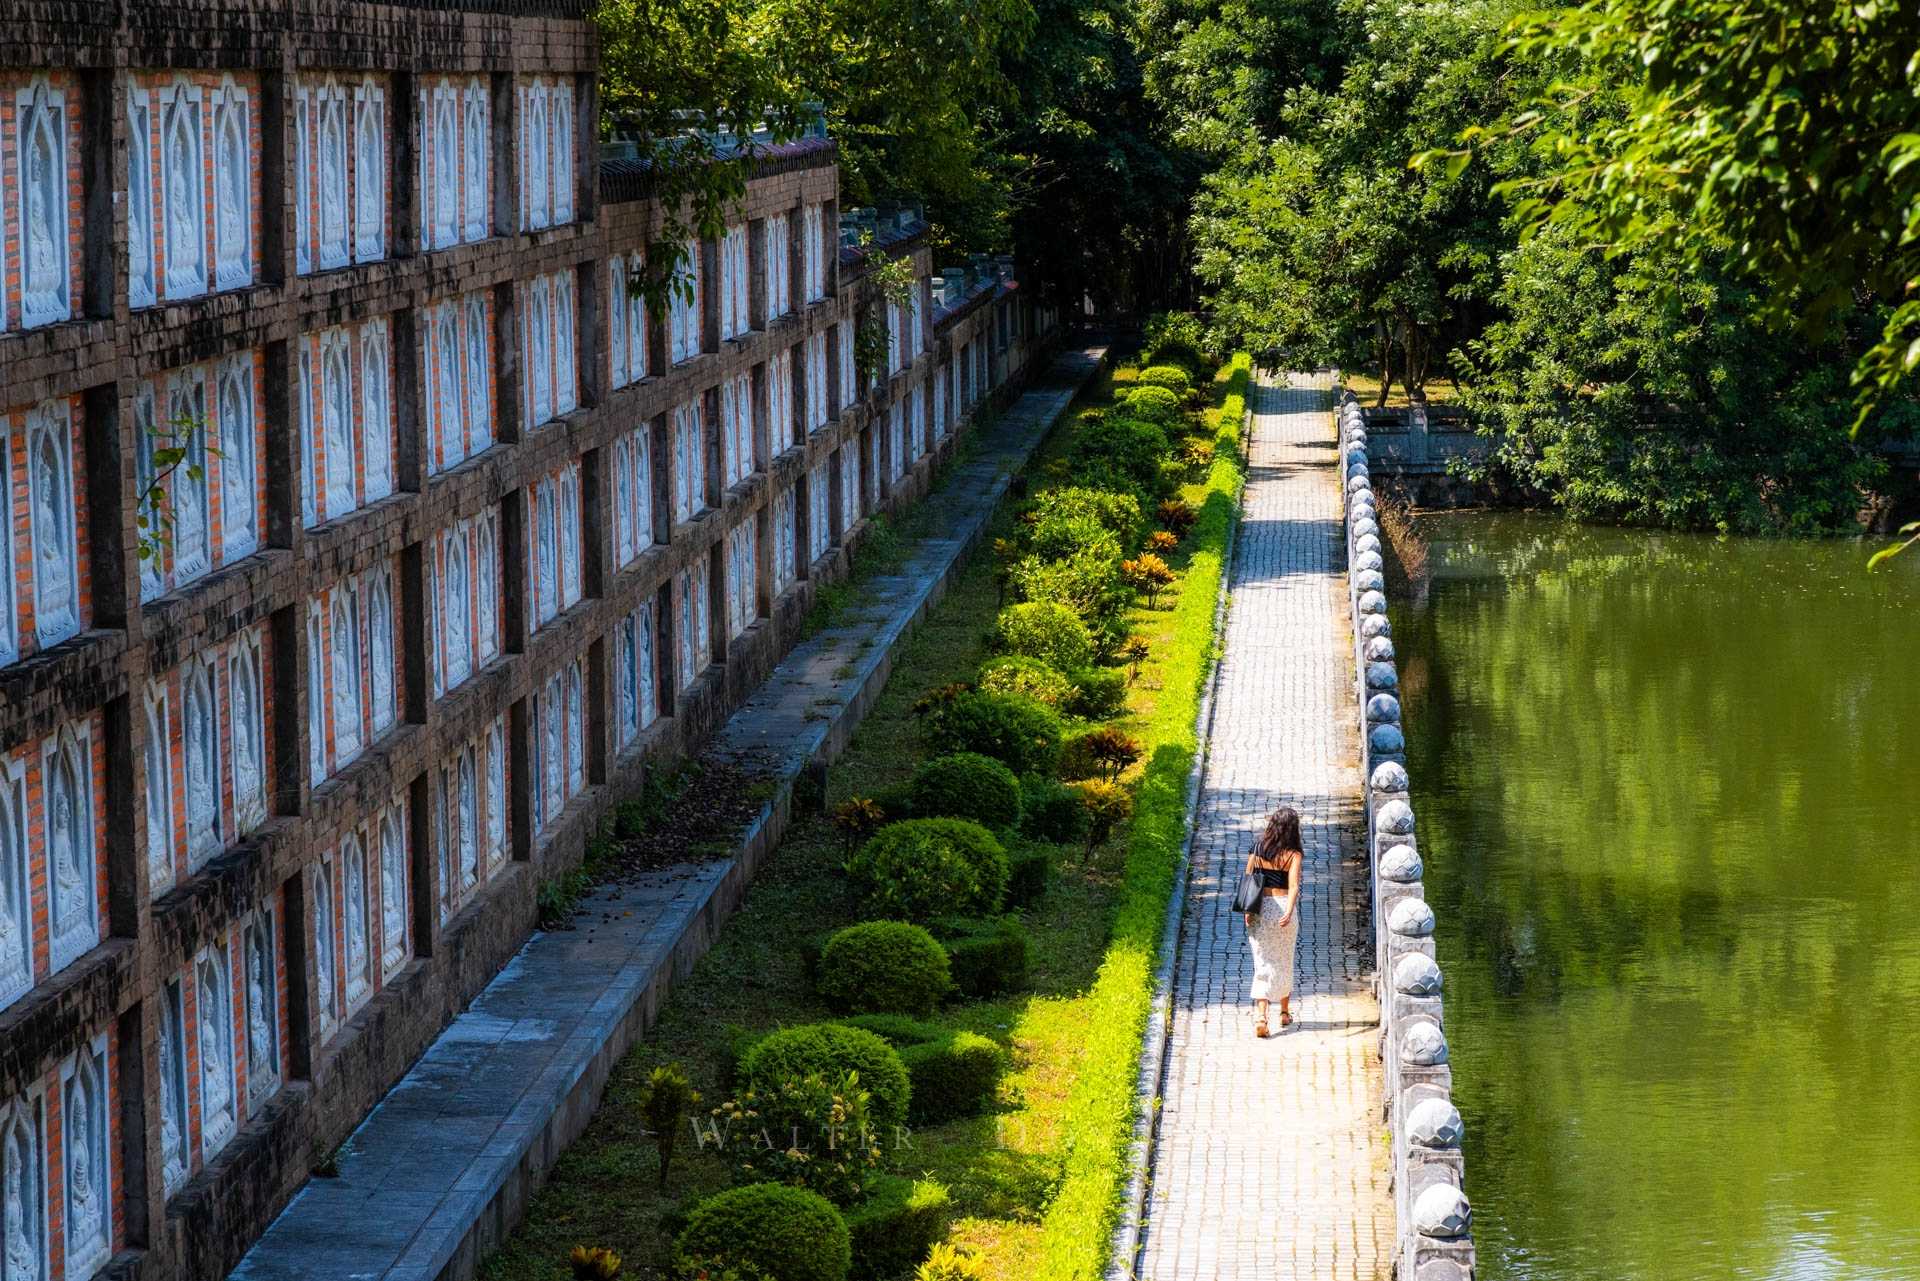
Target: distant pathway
1270, 1160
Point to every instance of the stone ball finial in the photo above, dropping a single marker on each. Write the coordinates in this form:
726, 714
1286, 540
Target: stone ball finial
1369, 580
1378, 649
1423, 1044
1434, 1122
1395, 817
1373, 603
1365, 525
1389, 776
1357, 483
1410, 918
1356, 454
1382, 676
1356, 469
1368, 560
1376, 625
1416, 974
1400, 864
1367, 543
1382, 708
1441, 1210
1362, 505
1386, 740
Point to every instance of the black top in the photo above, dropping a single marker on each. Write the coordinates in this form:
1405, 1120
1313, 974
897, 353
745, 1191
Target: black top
1272, 878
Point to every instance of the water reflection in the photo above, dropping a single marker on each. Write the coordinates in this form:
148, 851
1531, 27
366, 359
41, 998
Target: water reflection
1667, 796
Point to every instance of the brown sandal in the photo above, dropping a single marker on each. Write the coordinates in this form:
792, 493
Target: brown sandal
1286, 1017
1260, 1029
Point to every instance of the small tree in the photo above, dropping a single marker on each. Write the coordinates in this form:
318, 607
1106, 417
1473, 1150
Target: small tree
593, 1263
858, 819
1178, 515
1108, 806
1113, 749
1161, 541
1135, 651
1149, 574
670, 1099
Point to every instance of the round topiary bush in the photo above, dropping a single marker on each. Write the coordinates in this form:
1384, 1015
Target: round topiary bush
831, 1050
1049, 632
1132, 447
1089, 582
966, 785
1156, 405
884, 967
1015, 730
1118, 512
1051, 811
1058, 535
773, 1231
1019, 674
928, 867
1172, 377
1098, 693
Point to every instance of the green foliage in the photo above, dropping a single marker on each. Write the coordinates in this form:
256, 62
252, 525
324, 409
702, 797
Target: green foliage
1029, 870
950, 1263
884, 966
895, 1227
1173, 337
899, 1030
1098, 693
814, 1132
1128, 446
955, 1076
1023, 734
967, 785
1173, 378
1030, 677
988, 957
1060, 534
1118, 512
830, 1050
1088, 582
926, 867
776, 1232
1156, 405
1051, 811
1048, 631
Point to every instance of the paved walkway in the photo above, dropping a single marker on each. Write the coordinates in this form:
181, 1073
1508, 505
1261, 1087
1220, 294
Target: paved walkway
1270, 1160
444, 1166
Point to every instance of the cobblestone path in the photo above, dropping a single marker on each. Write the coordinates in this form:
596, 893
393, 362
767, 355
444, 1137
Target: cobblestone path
1270, 1160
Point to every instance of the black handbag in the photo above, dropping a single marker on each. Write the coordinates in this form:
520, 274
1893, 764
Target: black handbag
1247, 897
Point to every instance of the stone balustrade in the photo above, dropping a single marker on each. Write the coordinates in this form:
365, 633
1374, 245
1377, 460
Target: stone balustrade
1433, 1221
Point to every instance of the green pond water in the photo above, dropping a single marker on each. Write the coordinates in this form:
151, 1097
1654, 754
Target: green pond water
1668, 791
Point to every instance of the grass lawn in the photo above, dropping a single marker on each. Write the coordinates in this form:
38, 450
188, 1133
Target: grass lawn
1440, 391
1034, 1185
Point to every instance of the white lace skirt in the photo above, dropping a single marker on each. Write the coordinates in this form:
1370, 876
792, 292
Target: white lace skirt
1273, 945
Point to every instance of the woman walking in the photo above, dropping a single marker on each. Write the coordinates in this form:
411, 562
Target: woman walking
1273, 927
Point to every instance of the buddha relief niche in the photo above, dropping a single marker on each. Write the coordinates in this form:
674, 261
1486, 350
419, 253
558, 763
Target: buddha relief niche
546, 587
344, 640
359, 946
239, 505
203, 768
566, 369
158, 789
488, 574
496, 795
376, 414
539, 353
336, 417
56, 589
459, 632
576, 731
469, 823
563, 153
140, 243
74, 923
187, 403
263, 1008
316, 697
232, 189
380, 647
534, 146
89, 1180
393, 892
16, 902
10, 628
214, 1015
175, 1161
474, 178
42, 117
247, 718
23, 1191
479, 403
303, 180
369, 173
446, 359
184, 185
446, 168
333, 177
570, 572
325, 969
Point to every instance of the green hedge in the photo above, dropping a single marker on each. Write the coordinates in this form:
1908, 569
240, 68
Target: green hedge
955, 1076
895, 1227
879, 966
780, 1233
1078, 1225
966, 785
928, 867
830, 1049
987, 958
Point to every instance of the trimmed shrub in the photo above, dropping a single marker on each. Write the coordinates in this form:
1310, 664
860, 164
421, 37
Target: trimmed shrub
1135, 448
966, 785
1051, 811
896, 1029
782, 1233
1118, 512
1061, 534
1047, 631
1174, 337
959, 1073
1172, 377
1020, 674
884, 966
1088, 582
1098, 693
988, 957
949, 1263
733, 1051
927, 867
1155, 405
895, 1227
1020, 733
831, 1050
1029, 869
832, 1145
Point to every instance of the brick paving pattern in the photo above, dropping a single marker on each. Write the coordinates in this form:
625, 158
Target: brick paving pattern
1270, 1159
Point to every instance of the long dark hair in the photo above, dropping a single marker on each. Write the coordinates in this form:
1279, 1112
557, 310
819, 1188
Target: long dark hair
1282, 835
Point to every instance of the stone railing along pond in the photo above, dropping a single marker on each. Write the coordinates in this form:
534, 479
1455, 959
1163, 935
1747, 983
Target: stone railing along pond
1433, 1222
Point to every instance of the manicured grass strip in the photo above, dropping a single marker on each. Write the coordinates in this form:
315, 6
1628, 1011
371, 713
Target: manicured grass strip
1102, 1105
